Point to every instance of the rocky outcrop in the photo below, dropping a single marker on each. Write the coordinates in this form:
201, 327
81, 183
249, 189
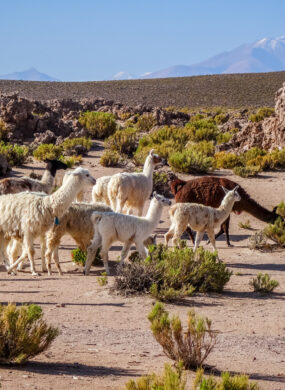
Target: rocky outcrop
267, 134
54, 120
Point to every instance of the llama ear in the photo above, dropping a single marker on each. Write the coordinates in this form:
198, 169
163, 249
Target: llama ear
154, 194
151, 152
236, 188
225, 190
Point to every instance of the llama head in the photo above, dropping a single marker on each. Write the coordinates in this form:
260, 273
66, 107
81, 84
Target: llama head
155, 158
84, 175
232, 193
161, 199
54, 165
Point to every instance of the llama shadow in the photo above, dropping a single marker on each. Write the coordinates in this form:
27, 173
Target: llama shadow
73, 369
63, 304
252, 295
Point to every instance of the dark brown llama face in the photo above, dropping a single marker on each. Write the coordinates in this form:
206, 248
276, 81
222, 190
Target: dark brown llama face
156, 159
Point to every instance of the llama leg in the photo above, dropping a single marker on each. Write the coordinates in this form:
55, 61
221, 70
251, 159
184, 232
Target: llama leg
211, 235
198, 239
125, 251
55, 258
190, 234
178, 231
28, 244
142, 250
43, 251
104, 255
91, 252
168, 235
225, 229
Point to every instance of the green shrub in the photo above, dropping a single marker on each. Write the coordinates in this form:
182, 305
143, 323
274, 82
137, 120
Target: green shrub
160, 183
227, 382
170, 380
98, 124
263, 283
71, 161
191, 347
79, 257
221, 118
48, 151
281, 209
71, 146
123, 141
15, 154
146, 122
223, 138
3, 130
202, 130
103, 279
23, 333
261, 114
245, 225
171, 273
110, 158
175, 379
190, 161
248, 171
258, 241
276, 232
226, 160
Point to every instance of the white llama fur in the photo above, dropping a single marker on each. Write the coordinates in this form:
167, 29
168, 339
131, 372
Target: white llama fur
100, 190
200, 218
111, 227
133, 188
28, 215
13, 185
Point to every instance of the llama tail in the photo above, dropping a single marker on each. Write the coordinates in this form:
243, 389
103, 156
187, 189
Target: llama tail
176, 185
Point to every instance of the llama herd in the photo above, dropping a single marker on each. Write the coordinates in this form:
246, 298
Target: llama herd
24, 215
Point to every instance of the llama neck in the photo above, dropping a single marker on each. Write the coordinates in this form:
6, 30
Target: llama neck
60, 200
226, 207
148, 168
250, 206
154, 212
48, 179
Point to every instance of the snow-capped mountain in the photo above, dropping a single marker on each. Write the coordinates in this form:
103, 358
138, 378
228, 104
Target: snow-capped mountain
124, 76
31, 74
265, 55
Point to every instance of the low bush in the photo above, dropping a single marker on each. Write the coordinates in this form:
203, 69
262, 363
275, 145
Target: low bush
76, 146
72, 160
79, 257
192, 346
226, 160
171, 273
48, 151
248, 171
110, 158
263, 283
223, 138
103, 279
123, 141
221, 118
15, 154
202, 129
23, 333
160, 183
146, 122
3, 130
190, 161
258, 241
245, 225
262, 113
276, 232
174, 378
98, 124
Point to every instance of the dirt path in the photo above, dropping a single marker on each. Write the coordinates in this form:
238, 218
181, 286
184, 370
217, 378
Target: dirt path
105, 339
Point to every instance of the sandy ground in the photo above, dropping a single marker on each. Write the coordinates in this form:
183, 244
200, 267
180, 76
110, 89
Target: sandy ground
106, 339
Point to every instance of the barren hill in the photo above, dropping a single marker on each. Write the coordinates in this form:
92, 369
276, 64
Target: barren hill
230, 90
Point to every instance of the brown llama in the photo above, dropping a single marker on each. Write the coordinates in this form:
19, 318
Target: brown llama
208, 191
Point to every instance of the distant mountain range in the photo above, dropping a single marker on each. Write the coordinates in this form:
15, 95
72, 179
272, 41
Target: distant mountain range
265, 55
31, 74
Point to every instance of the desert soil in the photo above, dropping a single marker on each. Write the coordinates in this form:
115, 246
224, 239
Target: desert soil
105, 338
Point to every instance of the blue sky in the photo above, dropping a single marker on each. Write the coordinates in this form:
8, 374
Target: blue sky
80, 40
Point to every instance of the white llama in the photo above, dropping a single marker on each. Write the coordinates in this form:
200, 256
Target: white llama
111, 227
200, 218
133, 189
27, 215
